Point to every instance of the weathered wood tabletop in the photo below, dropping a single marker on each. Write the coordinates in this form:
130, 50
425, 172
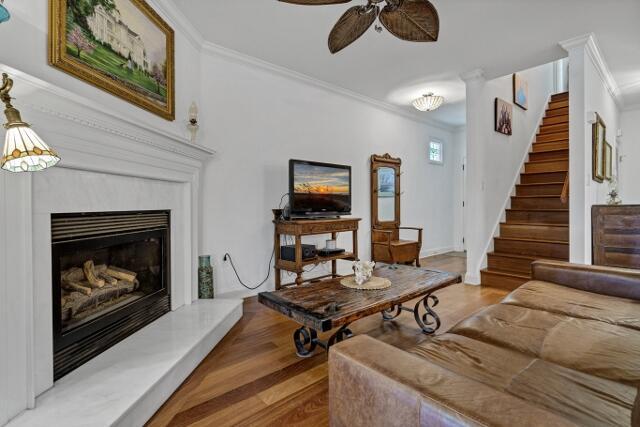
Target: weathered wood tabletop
327, 304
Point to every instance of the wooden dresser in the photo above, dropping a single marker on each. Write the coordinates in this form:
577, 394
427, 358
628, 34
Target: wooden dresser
616, 235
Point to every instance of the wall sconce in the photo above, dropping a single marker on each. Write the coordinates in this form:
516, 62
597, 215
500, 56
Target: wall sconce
4, 13
24, 150
193, 121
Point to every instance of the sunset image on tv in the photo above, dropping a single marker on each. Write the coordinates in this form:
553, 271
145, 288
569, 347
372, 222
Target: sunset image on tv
313, 179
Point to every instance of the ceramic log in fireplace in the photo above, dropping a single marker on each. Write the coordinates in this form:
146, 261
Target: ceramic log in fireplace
110, 279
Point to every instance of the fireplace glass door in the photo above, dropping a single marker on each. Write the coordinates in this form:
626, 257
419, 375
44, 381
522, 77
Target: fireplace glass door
110, 278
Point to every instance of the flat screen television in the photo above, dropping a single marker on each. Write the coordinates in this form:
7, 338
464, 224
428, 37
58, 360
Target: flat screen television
319, 189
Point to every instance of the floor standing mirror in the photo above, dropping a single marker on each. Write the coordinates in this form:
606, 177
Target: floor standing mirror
386, 244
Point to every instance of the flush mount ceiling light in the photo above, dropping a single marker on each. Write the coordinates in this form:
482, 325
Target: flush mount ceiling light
428, 102
24, 150
410, 20
4, 13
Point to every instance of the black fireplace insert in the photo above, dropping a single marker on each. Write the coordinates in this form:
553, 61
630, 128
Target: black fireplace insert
110, 279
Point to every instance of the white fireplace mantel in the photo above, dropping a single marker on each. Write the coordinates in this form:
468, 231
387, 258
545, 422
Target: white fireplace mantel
104, 148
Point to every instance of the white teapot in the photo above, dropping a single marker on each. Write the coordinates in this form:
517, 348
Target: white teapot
363, 270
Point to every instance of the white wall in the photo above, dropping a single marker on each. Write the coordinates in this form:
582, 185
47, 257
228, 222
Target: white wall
590, 92
260, 119
629, 149
500, 158
459, 156
598, 99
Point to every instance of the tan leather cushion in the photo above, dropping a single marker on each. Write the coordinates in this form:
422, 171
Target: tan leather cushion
576, 303
590, 346
582, 398
372, 384
403, 242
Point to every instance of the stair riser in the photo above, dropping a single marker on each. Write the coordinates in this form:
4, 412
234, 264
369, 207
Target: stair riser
501, 282
543, 178
537, 203
558, 104
553, 120
538, 232
509, 265
536, 217
560, 127
557, 112
549, 155
545, 146
539, 190
553, 137
564, 96
537, 249
547, 166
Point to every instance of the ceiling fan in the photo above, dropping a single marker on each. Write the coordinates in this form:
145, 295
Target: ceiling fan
411, 20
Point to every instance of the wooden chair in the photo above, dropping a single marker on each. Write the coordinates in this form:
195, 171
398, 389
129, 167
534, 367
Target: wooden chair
386, 244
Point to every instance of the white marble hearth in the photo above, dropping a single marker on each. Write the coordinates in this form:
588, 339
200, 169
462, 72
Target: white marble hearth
125, 385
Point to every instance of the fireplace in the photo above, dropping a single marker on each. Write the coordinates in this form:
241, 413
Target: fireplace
110, 279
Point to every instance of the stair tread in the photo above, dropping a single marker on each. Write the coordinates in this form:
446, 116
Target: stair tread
537, 162
527, 239
526, 257
542, 196
537, 210
537, 173
542, 183
506, 273
535, 224
550, 150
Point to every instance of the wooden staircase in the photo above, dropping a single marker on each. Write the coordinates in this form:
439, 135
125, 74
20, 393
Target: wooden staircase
537, 224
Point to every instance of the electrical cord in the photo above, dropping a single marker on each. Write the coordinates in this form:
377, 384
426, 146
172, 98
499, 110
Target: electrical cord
227, 256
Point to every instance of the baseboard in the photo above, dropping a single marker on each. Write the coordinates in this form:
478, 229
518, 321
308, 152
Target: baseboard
472, 279
436, 251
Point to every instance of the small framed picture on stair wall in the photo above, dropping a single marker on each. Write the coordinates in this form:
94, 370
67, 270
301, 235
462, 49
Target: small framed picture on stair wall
599, 137
520, 92
503, 117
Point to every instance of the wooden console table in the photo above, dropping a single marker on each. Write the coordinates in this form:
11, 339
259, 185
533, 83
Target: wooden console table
310, 227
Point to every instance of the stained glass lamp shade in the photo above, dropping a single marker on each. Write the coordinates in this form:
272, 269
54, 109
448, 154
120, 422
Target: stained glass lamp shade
24, 150
4, 13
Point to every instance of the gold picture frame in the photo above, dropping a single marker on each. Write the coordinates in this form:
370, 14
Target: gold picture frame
123, 47
599, 134
607, 158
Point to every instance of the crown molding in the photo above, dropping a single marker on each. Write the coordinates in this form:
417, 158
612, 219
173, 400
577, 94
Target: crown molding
179, 21
589, 43
241, 58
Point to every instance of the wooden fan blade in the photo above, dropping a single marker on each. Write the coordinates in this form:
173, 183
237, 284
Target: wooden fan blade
315, 2
412, 20
353, 24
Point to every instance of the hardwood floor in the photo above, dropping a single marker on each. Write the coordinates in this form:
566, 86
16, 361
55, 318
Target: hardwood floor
254, 378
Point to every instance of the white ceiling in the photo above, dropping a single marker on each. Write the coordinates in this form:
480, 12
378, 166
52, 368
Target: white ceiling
499, 36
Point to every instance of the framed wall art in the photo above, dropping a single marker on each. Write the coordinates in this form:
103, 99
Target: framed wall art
121, 46
599, 133
503, 117
520, 91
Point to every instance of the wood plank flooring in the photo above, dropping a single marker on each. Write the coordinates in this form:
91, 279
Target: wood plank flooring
254, 378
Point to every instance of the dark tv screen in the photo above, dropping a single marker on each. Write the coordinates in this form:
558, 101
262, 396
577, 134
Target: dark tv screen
319, 189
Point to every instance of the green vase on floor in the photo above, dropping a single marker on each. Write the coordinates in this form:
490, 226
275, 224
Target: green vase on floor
205, 277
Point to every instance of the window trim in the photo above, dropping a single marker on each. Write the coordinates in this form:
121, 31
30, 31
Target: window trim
437, 141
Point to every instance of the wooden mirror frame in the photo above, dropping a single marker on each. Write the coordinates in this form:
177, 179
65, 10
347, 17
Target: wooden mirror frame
598, 155
377, 162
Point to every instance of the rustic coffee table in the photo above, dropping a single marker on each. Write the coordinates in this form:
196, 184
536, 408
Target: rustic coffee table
326, 305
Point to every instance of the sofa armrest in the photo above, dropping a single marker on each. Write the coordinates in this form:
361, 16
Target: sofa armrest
374, 384
616, 282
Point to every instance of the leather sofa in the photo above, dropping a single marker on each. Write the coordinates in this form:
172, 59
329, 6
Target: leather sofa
561, 350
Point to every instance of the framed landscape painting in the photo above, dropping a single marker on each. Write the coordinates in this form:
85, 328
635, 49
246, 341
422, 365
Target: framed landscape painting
503, 117
520, 92
121, 46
